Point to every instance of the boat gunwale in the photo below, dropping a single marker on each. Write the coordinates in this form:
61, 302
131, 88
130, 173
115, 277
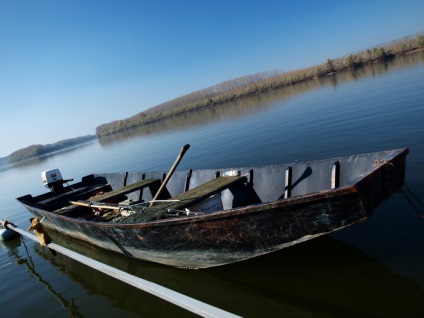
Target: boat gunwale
252, 208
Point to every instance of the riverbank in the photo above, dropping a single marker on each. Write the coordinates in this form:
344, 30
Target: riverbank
230, 91
257, 84
40, 150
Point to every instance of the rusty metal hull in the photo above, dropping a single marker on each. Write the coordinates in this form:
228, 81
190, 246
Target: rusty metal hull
255, 228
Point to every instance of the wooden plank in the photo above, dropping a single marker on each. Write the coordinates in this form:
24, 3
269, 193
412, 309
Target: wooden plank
193, 305
185, 199
205, 190
127, 189
56, 202
75, 193
159, 207
111, 206
95, 204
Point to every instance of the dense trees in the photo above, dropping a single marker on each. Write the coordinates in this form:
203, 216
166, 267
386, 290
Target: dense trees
232, 90
38, 150
420, 40
258, 83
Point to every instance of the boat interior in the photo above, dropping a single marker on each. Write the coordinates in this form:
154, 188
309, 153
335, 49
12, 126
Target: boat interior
190, 190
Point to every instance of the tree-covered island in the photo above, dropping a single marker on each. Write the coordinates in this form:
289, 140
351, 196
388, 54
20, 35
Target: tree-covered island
39, 150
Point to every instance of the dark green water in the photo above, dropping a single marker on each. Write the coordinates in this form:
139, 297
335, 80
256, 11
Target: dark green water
374, 269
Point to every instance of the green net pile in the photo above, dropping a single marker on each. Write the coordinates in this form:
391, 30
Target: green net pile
143, 212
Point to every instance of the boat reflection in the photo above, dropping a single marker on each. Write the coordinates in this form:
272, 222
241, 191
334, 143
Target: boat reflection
12, 248
321, 278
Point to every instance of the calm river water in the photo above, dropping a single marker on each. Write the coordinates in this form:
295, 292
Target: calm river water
373, 269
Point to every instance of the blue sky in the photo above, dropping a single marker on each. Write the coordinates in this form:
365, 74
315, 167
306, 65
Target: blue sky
67, 66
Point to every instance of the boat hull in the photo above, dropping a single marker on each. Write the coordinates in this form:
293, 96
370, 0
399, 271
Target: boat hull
241, 233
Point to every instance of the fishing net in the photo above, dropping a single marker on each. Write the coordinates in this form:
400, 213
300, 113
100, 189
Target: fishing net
144, 212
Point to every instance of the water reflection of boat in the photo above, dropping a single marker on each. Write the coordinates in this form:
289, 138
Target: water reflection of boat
12, 248
259, 209
322, 277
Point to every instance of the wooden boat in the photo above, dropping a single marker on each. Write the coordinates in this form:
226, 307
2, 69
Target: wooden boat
212, 217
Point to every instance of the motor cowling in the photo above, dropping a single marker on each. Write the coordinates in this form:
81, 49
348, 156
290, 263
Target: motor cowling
53, 180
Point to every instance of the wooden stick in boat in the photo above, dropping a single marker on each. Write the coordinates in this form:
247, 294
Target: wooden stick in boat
172, 212
96, 205
171, 171
101, 205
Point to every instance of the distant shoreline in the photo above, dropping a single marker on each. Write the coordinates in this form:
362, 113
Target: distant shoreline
40, 150
257, 84
229, 91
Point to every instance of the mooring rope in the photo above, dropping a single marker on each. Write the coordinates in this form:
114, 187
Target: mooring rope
23, 242
410, 197
26, 249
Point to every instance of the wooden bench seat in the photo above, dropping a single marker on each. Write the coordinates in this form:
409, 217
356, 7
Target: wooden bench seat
204, 191
115, 194
75, 194
183, 200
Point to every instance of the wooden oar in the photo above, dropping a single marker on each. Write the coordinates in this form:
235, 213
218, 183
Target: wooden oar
171, 171
111, 206
96, 205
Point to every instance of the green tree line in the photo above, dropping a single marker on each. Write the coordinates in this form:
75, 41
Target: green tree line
39, 150
263, 82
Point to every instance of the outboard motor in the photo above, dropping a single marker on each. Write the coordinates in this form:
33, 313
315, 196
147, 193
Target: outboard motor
53, 180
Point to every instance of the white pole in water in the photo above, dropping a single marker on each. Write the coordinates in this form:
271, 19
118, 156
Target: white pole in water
188, 303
